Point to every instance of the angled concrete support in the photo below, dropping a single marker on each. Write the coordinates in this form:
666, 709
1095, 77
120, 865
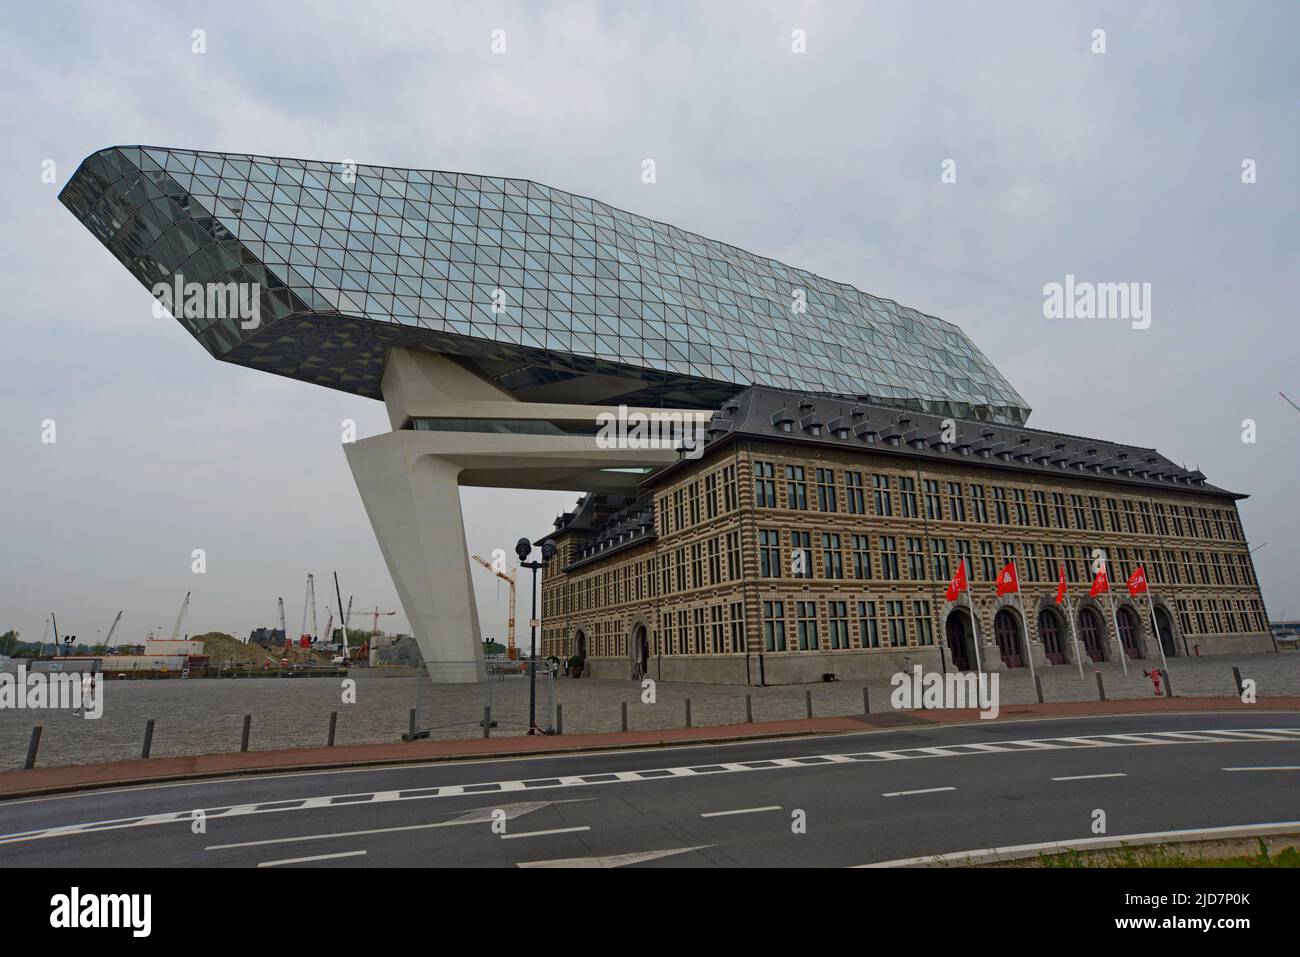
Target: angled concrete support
410, 482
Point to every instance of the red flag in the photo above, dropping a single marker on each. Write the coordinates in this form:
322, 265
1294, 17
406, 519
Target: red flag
1007, 580
958, 583
1137, 582
1100, 584
1060, 587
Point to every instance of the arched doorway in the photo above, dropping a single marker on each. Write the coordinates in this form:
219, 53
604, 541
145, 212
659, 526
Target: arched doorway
1166, 629
640, 651
1051, 630
1128, 633
1007, 632
580, 644
961, 645
1090, 634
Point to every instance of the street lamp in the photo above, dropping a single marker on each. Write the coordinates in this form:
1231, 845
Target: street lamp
523, 548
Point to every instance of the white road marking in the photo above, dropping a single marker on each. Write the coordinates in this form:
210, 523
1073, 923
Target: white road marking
899, 794
490, 789
743, 810
304, 860
614, 860
1279, 767
1087, 843
477, 816
1091, 777
555, 830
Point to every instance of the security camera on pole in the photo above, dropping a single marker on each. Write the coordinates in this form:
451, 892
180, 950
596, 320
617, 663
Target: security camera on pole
523, 548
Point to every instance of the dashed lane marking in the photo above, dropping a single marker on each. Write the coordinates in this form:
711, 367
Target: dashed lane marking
316, 857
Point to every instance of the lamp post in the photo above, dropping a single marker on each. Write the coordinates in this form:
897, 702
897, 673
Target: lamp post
523, 548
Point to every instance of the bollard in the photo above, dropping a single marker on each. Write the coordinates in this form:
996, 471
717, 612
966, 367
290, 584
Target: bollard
32, 746
1169, 688
625, 716
148, 739
487, 721
1101, 688
559, 719
688, 712
1236, 677
243, 738
807, 703
749, 709
411, 733
1038, 686
866, 700
334, 721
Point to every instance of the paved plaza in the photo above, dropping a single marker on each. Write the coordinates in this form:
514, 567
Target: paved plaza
206, 716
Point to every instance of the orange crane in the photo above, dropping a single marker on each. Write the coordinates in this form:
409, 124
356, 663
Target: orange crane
511, 651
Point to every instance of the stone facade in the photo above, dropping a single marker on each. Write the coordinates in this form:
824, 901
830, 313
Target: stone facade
716, 590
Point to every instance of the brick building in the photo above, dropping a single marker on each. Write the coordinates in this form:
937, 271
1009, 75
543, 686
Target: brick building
817, 536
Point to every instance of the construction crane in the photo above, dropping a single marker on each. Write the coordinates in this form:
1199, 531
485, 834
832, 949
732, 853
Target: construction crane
309, 601
374, 629
108, 639
511, 651
284, 629
176, 629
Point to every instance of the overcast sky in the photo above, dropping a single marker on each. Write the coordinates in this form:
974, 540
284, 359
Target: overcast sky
1114, 167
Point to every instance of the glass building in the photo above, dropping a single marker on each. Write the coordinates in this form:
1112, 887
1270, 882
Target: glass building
546, 293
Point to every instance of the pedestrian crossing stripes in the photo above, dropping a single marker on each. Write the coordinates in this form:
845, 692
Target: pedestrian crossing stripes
1145, 739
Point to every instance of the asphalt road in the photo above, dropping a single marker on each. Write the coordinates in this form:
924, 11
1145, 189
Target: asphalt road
861, 799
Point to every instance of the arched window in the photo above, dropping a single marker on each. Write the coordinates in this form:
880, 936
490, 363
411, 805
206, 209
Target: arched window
1090, 634
1128, 633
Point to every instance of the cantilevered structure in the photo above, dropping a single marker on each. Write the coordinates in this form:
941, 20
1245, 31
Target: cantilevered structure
497, 318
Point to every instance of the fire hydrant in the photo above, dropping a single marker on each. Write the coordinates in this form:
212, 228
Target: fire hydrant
1154, 675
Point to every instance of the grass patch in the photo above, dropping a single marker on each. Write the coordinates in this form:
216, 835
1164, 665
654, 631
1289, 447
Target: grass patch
1207, 854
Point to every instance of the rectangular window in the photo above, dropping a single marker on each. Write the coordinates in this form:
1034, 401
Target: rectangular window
774, 625
956, 504
923, 623
769, 553
978, 505
988, 564
826, 490
861, 545
801, 554
888, 558
806, 623
916, 559
838, 623
832, 557
897, 624
1022, 507
1040, 509
939, 557
854, 494
868, 627
796, 488
884, 501
1000, 509
933, 504
907, 496
764, 485
733, 556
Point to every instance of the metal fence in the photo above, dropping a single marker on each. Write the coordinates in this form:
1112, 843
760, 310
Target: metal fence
452, 698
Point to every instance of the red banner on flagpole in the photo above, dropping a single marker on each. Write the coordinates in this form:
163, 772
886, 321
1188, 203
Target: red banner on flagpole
1061, 586
1007, 580
1137, 582
1100, 584
958, 583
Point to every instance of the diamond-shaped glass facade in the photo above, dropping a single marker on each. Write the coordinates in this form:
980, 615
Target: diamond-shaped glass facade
600, 305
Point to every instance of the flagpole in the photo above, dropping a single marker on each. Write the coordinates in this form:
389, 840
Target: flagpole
1114, 620
1024, 621
974, 621
1155, 628
1074, 636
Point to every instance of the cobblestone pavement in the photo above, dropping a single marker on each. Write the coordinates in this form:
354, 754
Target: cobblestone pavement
206, 716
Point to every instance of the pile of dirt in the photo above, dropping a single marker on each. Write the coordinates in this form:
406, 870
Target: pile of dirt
222, 648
